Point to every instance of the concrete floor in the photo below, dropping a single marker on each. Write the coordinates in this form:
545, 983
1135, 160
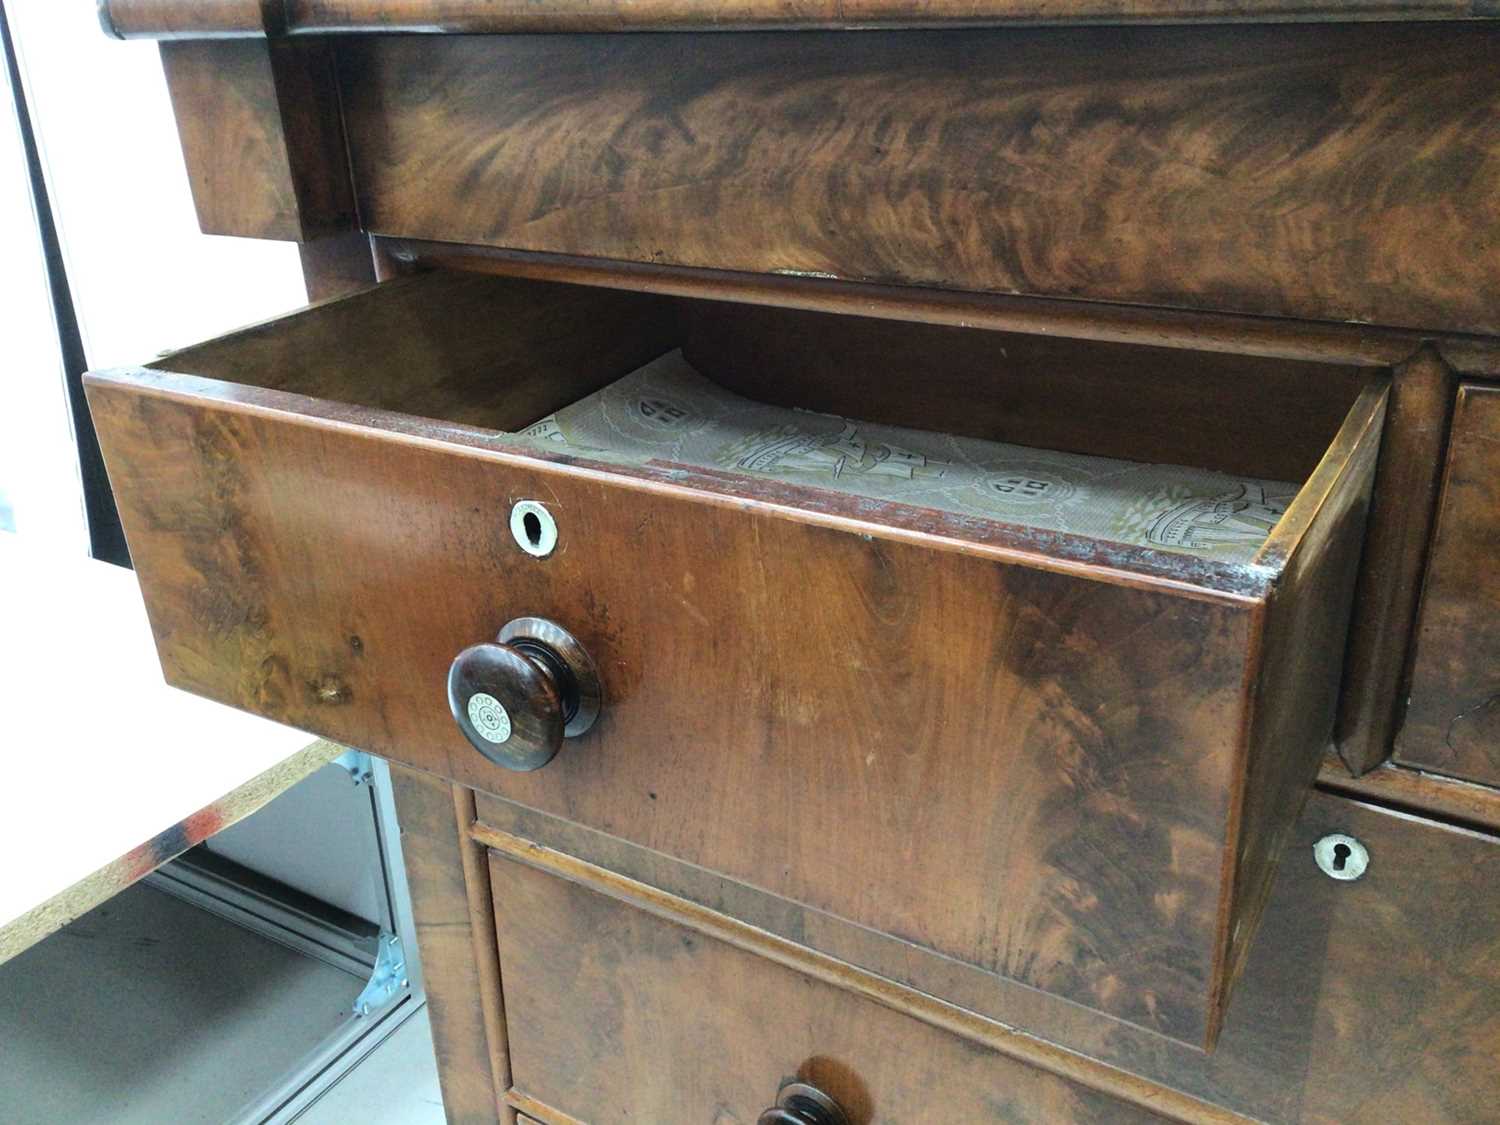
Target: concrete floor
150, 1010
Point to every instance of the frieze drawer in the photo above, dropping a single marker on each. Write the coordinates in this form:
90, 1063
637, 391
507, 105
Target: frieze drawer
1065, 758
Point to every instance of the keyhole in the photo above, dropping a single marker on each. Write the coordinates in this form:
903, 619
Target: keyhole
533, 528
1341, 857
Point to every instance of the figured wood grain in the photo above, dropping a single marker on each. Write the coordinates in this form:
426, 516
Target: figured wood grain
261, 135
1335, 1020
1339, 173
450, 907
1083, 742
1452, 720
166, 17
808, 678
610, 1025
1390, 580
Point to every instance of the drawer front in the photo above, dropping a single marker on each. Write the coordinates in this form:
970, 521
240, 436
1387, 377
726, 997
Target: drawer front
615, 1015
1331, 173
1368, 1001
1054, 768
1452, 722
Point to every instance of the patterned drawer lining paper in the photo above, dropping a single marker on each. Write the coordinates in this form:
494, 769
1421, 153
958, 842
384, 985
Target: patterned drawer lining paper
668, 412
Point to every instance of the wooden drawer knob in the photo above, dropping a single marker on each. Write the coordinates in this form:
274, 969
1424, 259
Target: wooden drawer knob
518, 698
801, 1104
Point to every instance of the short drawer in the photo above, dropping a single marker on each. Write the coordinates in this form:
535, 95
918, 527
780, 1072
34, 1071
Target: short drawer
1058, 757
1452, 720
1366, 1000
616, 1015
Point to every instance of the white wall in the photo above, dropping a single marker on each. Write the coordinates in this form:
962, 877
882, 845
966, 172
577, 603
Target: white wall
144, 279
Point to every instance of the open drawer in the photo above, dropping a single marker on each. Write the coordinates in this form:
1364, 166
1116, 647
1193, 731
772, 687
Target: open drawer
1058, 757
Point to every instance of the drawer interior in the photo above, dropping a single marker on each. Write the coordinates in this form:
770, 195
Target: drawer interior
1113, 737
496, 355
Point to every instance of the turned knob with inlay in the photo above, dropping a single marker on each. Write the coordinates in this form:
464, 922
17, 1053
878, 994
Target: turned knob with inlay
517, 698
801, 1104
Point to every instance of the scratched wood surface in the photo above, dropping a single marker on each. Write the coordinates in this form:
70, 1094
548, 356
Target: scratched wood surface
1339, 173
1452, 720
619, 1016
1362, 1003
249, 17
1095, 711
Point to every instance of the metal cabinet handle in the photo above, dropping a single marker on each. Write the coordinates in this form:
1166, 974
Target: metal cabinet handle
517, 698
801, 1104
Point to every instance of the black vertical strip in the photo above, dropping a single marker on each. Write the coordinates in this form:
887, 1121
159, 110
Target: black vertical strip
106, 540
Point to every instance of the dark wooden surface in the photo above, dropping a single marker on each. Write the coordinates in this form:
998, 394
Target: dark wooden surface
464, 349
1184, 182
1233, 413
1390, 579
1369, 1002
261, 136
1300, 658
1092, 713
620, 1016
1203, 332
330, 529
1452, 720
1449, 799
168, 17
532, 700
454, 931
337, 265
1339, 173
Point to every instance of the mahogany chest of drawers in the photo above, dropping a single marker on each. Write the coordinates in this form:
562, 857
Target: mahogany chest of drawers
734, 793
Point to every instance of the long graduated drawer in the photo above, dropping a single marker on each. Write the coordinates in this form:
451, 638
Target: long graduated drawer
1064, 760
